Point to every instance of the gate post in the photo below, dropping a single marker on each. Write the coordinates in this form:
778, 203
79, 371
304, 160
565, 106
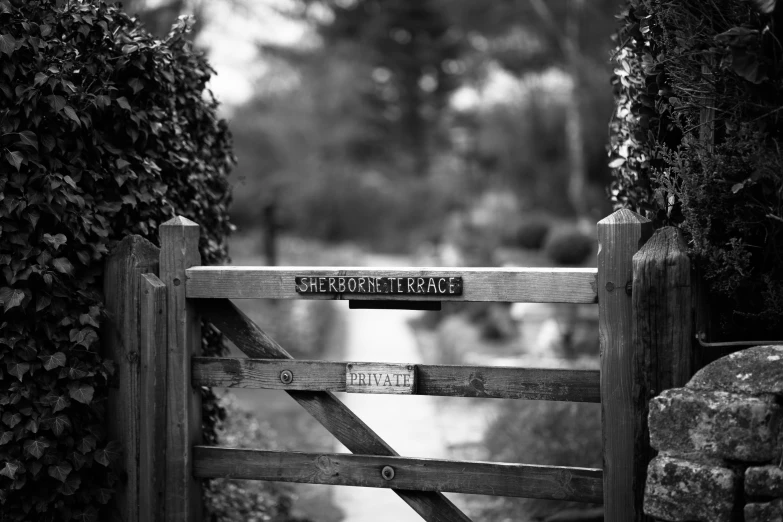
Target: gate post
663, 332
122, 277
620, 236
179, 251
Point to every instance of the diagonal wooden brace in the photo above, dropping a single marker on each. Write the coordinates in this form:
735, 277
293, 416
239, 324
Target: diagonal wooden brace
324, 406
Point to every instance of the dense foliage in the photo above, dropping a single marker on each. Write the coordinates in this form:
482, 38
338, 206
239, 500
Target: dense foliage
104, 132
696, 143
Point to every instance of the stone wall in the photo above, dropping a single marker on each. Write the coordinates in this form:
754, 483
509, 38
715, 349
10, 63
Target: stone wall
720, 443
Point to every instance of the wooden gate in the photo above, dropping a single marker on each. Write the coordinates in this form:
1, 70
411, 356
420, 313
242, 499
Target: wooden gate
169, 402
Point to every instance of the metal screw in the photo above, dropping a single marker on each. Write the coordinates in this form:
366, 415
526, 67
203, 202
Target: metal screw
410, 368
286, 376
176, 282
387, 472
610, 287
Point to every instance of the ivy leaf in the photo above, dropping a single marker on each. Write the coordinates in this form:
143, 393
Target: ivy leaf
54, 360
122, 101
62, 265
7, 44
104, 495
90, 514
68, 110
60, 403
87, 319
55, 241
11, 297
6, 437
87, 444
11, 419
43, 301
15, 158
57, 102
18, 369
36, 447
40, 79
9, 470
136, 85
108, 454
81, 392
28, 139
60, 470
69, 486
61, 422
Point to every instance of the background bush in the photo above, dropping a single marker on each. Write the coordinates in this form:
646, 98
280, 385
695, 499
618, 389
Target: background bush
104, 132
547, 433
679, 67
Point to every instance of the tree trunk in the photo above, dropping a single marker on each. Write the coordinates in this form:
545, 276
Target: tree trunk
574, 130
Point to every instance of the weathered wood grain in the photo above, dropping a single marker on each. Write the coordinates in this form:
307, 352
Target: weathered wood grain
533, 285
179, 251
663, 334
132, 257
444, 380
152, 402
327, 409
482, 478
620, 236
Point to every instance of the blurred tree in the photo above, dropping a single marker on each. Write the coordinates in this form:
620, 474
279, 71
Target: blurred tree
526, 36
406, 51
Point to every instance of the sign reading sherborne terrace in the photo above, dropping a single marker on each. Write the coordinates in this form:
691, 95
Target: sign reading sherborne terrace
380, 378
431, 285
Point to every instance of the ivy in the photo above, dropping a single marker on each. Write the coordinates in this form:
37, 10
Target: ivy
105, 131
695, 142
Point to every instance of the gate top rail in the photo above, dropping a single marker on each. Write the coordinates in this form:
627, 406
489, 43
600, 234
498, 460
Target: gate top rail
530, 285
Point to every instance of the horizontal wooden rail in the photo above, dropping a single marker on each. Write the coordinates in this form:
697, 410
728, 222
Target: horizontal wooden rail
455, 381
531, 285
481, 478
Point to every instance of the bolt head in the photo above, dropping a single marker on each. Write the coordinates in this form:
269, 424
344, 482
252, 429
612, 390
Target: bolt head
387, 472
286, 376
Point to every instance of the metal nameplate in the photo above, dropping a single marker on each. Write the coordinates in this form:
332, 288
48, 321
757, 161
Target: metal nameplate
429, 285
399, 379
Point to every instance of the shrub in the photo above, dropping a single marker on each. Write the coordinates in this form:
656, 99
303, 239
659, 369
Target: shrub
543, 433
569, 246
696, 143
532, 233
105, 132
247, 500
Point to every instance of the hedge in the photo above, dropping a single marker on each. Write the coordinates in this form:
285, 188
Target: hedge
695, 142
105, 131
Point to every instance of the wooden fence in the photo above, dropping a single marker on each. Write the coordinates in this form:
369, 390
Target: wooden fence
642, 287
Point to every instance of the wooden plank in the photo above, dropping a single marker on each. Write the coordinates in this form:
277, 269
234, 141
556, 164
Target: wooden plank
533, 285
132, 257
179, 251
619, 237
500, 382
444, 380
324, 406
663, 335
385, 378
152, 398
481, 478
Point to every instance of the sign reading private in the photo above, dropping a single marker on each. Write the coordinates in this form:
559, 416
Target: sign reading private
380, 378
430, 285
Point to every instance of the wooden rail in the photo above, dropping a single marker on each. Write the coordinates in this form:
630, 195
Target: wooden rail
531, 285
443, 380
481, 478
